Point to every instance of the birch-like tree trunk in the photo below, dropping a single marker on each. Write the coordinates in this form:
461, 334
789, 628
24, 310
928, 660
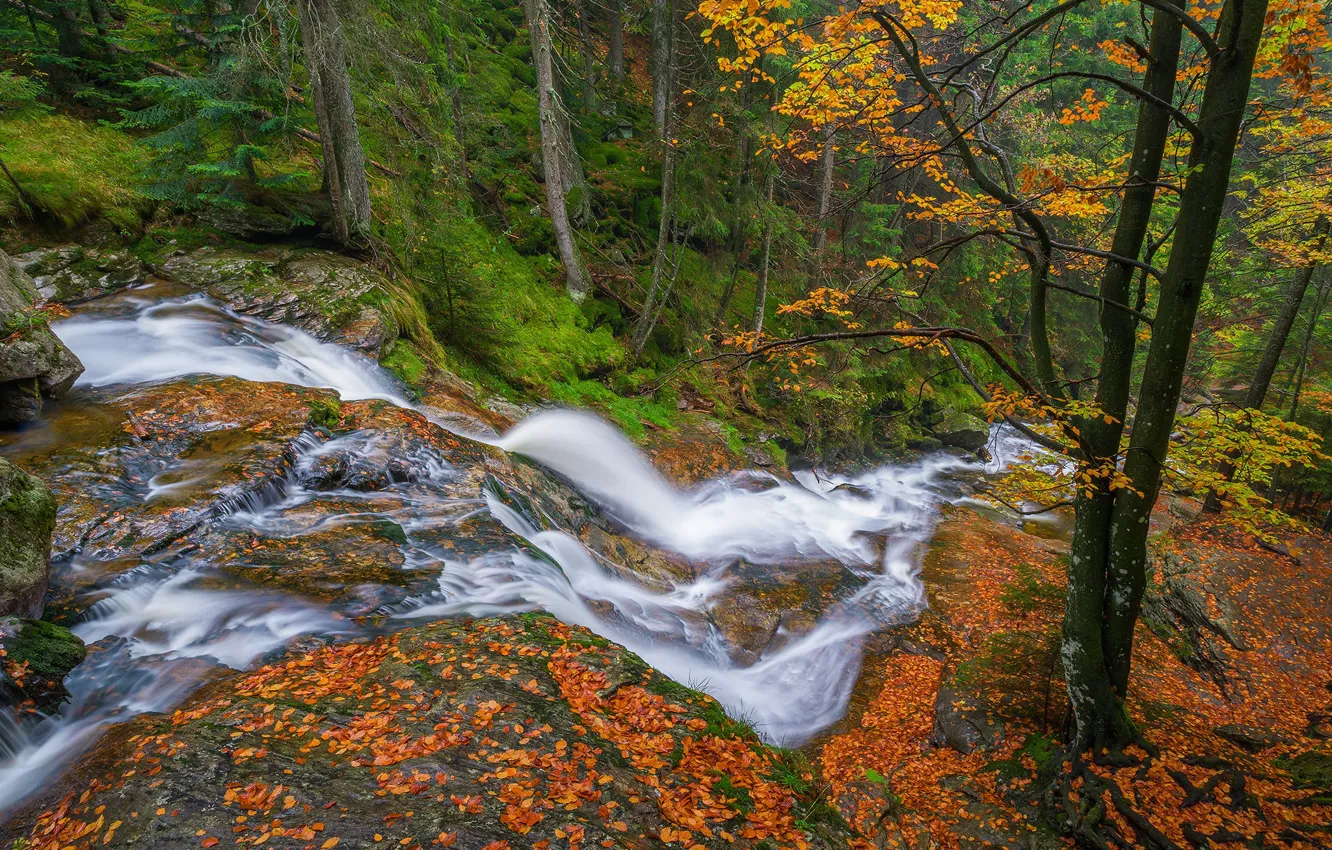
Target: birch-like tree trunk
827, 165
765, 253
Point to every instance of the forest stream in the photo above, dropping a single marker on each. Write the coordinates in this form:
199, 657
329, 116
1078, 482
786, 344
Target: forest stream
218, 504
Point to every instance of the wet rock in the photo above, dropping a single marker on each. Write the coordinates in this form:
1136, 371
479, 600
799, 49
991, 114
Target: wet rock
27, 518
854, 490
34, 363
35, 657
962, 431
44, 262
1250, 738
330, 296
248, 222
73, 273
146, 465
748, 623
963, 721
397, 742
1319, 726
924, 444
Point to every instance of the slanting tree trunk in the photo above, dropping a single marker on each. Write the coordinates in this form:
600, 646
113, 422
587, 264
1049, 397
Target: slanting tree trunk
765, 253
656, 295
615, 24
663, 37
827, 165
339, 133
1096, 703
558, 159
1097, 685
1291, 300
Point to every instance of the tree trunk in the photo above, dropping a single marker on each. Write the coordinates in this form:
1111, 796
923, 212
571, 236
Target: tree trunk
827, 164
558, 158
1276, 343
647, 319
663, 32
741, 172
340, 135
589, 63
765, 255
98, 16
616, 26
69, 37
1202, 203
1095, 702
1320, 301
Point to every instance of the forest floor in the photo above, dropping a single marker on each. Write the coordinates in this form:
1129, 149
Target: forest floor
953, 737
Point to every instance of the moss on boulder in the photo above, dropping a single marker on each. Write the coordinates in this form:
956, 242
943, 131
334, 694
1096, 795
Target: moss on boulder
27, 519
35, 657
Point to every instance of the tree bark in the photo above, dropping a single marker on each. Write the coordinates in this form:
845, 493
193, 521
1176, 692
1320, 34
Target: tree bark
589, 63
741, 172
1276, 343
1320, 301
98, 16
663, 31
69, 37
647, 319
558, 159
827, 165
1202, 203
616, 26
1096, 702
340, 135
765, 255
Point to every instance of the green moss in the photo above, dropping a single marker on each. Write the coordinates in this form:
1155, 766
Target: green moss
403, 361
1310, 770
70, 170
629, 413
325, 413
51, 651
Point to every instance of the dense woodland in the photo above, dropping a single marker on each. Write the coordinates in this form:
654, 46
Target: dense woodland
832, 226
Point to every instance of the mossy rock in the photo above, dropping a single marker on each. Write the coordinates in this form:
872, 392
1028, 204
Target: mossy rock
27, 519
37, 656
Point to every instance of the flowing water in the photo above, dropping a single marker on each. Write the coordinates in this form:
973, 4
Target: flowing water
165, 625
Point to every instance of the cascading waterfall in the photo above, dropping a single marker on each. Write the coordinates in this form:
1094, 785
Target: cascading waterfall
160, 624
157, 340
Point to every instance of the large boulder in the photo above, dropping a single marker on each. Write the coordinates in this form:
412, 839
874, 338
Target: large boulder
34, 363
962, 431
27, 518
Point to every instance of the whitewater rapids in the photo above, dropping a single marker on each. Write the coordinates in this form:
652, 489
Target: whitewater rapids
160, 626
